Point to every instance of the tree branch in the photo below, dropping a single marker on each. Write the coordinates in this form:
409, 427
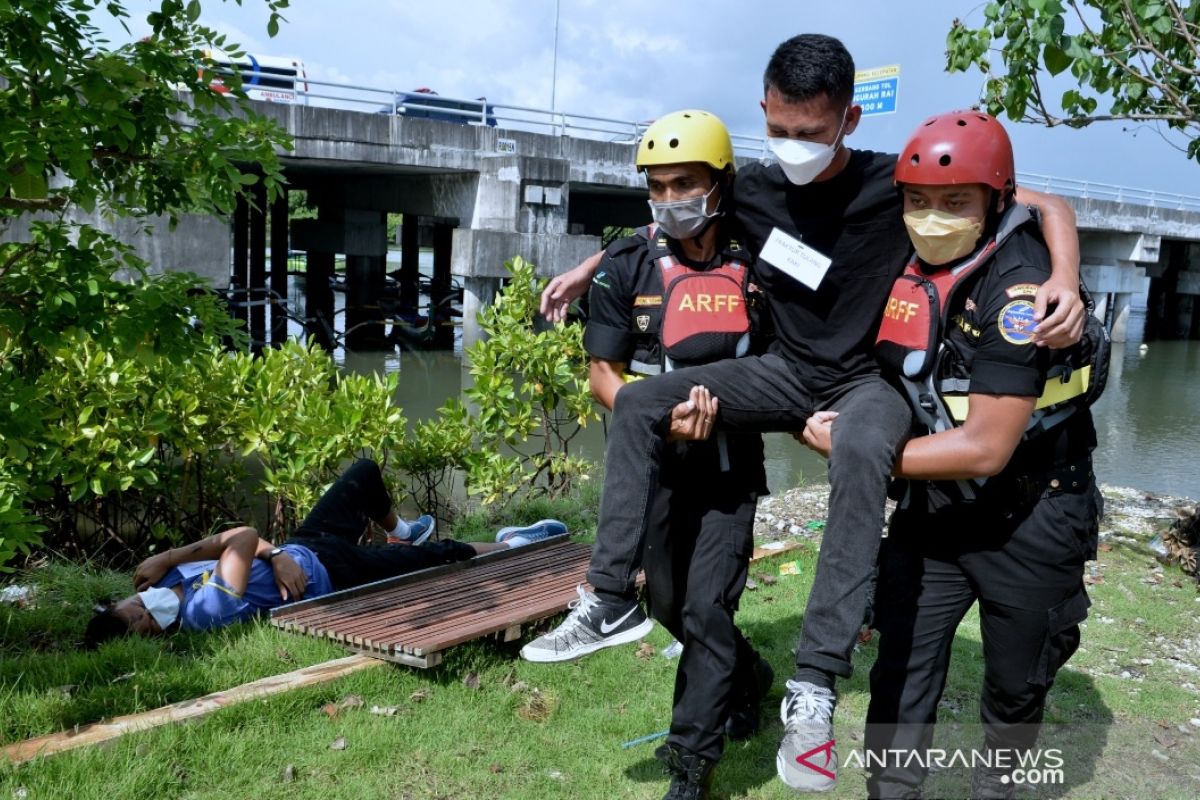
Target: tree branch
19, 204
17, 255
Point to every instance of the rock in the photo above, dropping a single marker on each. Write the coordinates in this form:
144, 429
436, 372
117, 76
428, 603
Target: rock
1195, 722
1163, 757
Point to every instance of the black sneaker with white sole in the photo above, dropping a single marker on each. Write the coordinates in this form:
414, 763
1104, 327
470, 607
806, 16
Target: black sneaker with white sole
592, 625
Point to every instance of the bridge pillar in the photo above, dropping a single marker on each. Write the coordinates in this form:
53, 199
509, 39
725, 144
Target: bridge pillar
279, 268
241, 258
366, 253
410, 264
440, 290
318, 303
256, 289
1122, 303
478, 294
479, 257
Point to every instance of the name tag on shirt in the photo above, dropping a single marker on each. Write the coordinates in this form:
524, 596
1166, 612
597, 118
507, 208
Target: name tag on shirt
795, 259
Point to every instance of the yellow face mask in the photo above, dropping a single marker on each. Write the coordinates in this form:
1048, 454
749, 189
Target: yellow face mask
940, 238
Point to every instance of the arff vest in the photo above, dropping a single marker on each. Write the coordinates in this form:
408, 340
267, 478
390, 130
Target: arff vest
705, 316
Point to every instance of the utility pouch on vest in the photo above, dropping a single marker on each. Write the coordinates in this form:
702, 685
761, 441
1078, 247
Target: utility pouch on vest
910, 331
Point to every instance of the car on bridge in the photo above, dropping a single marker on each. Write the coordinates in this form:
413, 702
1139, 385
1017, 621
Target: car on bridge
425, 103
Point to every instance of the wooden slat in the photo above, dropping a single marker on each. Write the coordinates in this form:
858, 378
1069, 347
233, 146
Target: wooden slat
189, 709
413, 618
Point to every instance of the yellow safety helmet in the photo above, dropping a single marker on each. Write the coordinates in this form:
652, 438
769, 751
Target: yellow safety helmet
684, 136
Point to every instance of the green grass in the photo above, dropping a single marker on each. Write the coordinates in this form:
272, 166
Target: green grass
506, 740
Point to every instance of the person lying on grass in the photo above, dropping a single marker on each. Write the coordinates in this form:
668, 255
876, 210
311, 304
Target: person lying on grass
236, 574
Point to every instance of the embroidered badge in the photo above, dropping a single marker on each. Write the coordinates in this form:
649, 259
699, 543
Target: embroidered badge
1016, 322
1022, 290
601, 279
647, 300
643, 322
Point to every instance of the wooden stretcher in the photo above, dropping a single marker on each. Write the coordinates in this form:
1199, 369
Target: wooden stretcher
412, 619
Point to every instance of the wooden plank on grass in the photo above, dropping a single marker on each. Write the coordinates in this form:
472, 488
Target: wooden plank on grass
188, 709
767, 552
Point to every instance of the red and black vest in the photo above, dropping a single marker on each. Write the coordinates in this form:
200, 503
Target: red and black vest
705, 316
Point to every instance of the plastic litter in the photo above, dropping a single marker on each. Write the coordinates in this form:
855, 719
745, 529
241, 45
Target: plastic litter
790, 568
16, 594
673, 650
643, 739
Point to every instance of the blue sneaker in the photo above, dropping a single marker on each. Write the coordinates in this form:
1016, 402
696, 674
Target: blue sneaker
542, 529
419, 530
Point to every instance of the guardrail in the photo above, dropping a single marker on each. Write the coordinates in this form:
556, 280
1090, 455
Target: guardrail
562, 123
1070, 187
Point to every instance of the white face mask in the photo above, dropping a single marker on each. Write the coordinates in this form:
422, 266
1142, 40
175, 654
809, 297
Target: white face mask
683, 219
163, 605
803, 161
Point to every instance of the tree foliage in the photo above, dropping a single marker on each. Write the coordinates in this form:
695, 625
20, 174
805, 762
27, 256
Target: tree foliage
1134, 60
133, 129
87, 359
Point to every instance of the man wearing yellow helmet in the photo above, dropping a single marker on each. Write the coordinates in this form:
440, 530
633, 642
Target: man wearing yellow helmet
676, 294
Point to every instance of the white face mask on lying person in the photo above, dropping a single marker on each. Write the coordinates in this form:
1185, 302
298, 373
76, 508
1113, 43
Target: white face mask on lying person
162, 604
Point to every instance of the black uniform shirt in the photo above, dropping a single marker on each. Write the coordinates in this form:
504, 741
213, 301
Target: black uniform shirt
990, 333
626, 305
828, 334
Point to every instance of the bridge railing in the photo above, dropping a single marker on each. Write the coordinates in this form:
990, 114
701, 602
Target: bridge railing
1070, 187
480, 111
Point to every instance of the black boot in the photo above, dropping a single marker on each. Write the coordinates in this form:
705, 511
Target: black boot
989, 783
690, 774
743, 719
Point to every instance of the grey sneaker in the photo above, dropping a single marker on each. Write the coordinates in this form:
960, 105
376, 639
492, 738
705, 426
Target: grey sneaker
807, 759
592, 625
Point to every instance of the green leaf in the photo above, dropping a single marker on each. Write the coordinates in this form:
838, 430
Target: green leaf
273, 26
29, 186
1056, 60
193, 10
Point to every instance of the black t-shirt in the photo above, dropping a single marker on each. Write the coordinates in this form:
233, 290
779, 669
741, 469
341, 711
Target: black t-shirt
827, 334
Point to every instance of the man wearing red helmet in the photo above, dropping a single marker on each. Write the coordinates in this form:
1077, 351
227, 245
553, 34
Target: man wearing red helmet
999, 504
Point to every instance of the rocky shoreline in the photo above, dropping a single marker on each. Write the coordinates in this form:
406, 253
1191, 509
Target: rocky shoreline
1128, 513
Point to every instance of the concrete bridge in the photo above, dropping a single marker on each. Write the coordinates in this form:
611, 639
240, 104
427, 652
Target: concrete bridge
481, 194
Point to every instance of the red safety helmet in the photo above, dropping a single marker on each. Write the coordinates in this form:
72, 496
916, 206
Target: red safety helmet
958, 147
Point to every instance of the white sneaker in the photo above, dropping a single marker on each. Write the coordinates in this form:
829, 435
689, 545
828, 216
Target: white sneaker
807, 759
592, 625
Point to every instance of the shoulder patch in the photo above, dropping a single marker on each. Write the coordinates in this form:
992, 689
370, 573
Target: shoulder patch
601, 279
1016, 322
1022, 290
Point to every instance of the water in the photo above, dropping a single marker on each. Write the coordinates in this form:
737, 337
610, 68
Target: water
1146, 419
1145, 422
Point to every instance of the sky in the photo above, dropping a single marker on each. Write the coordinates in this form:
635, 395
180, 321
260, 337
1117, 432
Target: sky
636, 60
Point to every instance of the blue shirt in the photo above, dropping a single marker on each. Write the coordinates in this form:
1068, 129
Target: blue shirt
209, 602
